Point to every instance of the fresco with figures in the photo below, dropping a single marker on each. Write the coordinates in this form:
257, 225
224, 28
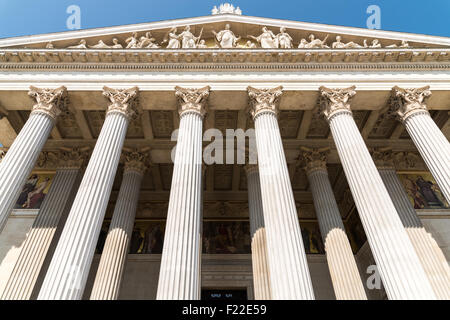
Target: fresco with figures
219, 237
34, 191
423, 191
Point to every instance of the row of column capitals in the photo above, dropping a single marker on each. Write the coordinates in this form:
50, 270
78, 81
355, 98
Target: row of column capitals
136, 160
192, 100
123, 101
263, 100
314, 159
405, 103
51, 102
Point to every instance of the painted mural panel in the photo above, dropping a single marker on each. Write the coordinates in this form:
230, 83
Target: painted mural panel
225, 237
422, 190
34, 191
312, 239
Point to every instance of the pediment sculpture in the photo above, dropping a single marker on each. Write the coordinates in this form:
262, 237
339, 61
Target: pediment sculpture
227, 39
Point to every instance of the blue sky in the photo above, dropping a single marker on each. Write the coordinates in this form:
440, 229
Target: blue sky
25, 17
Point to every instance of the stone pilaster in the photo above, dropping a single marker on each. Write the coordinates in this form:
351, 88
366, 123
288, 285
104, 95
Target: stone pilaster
21, 157
53, 211
289, 273
344, 272
67, 274
399, 265
430, 255
179, 276
261, 274
112, 262
411, 109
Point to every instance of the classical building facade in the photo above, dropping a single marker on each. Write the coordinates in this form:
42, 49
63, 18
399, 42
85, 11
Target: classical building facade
349, 198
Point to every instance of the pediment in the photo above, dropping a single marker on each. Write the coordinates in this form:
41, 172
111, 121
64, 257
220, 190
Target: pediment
242, 26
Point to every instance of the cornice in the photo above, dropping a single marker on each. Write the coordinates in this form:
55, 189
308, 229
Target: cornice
224, 59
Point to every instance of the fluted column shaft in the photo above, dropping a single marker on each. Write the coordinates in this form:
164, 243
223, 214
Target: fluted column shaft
16, 166
430, 255
112, 263
398, 264
35, 248
261, 274
344, 272
289, 273
179, 276
67, 274
433, 147
411, 109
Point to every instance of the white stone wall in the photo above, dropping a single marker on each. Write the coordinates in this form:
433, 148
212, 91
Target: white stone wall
437, 222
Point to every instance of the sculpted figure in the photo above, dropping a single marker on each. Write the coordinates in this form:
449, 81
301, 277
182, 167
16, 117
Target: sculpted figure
132, 42
226, 38
100, 45
303, 44
49, 45
81, 45
375, 44
283, 39
147, 41
266, 39
249, 45
173, 38
202, 45
341, 45
116, 44
404, 44
188, 40
316, 43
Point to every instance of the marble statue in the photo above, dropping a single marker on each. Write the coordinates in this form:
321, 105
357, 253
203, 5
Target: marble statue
81, 45
249, 45
188, 40
173, 39
404, 44
116, 44
316, 43
100, 45
341, 45
49, 45
283, 39
202, 45
375, 44
147, 41
303, 43
132, 42
266, 39
226, 38
214, 10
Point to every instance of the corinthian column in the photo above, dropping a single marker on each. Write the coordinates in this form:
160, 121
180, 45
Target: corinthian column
344, 272
112, 263
411, 110
179, 276
54, 209
23, 153
289, 273
67, 274
398, 264
261, 274
430, 255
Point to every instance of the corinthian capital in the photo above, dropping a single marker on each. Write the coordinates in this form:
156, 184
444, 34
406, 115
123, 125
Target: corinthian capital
383, 158
314, 159
192, 100
263, 100
51, 102
407, 102
136, 160
124, 101
334, 101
